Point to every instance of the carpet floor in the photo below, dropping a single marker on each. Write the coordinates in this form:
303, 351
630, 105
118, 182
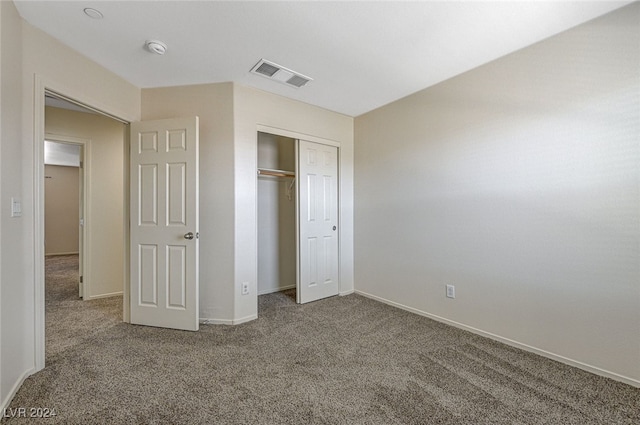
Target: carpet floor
343, 360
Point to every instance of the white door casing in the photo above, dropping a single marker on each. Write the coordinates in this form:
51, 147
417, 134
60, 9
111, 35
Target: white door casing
81, 216
164, 223
317, 221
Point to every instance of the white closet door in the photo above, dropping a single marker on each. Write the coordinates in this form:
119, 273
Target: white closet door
318, 221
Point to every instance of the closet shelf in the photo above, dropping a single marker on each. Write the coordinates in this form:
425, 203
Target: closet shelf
275, 173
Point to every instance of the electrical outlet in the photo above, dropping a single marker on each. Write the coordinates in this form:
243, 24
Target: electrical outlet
451, 291
245, 288
16, 207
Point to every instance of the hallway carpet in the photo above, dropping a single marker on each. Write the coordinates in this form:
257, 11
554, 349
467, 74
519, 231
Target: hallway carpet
343, 360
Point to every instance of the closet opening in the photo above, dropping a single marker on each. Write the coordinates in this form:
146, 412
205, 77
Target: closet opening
298, 218
277, 250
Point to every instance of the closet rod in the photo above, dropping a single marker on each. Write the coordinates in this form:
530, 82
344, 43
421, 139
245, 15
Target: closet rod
275, 173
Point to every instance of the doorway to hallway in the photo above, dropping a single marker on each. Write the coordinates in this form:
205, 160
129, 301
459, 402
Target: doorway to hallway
84, 215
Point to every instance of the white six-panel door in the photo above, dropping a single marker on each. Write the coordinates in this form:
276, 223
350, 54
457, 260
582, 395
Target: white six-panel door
317, 221
164, 223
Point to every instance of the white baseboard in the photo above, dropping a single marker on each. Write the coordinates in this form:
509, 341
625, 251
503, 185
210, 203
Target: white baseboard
15, 388
272, 290
575, 363
111, 294
53, 254
230, 322
205, 321
284, 288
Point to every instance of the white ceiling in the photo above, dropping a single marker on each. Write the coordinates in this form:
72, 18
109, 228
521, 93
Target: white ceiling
360, 54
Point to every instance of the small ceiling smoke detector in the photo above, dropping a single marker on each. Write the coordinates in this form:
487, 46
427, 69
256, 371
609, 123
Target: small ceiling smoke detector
280, 74
93, 13
155, 46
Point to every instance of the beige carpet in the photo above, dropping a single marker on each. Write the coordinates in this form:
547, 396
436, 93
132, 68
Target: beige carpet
344, 360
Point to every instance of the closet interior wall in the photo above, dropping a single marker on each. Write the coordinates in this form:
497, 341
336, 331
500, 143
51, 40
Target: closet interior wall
276, 215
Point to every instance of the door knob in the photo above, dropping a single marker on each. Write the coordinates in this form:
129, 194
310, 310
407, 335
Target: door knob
334, 228
188, 236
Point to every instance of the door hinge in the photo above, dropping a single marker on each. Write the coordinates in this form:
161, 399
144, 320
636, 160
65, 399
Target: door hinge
80, 279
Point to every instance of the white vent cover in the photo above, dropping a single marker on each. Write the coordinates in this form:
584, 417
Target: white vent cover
281, 74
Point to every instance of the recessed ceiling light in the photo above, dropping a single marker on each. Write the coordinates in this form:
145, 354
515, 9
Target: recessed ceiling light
93, 13
155, 46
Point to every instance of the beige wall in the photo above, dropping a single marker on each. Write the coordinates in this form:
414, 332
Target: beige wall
29, 61
62, 209
104, 223
517, 182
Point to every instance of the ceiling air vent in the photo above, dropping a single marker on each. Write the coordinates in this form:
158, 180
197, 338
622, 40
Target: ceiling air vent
266, 69
279, 73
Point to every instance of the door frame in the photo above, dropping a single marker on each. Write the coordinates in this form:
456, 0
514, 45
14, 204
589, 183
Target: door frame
297, 137
85, 205
41, 87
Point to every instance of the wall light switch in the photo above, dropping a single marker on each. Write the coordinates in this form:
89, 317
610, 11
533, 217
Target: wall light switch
16, 207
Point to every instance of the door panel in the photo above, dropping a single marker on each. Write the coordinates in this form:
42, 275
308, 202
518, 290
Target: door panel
148, 276
148, 201
176, 194
318, 213
176, 277
164, 211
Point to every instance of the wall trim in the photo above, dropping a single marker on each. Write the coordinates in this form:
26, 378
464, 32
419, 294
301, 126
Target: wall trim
111, 294
14, 389
349, 292
57, 254
272, 290
204, 321
575, 363
38, 221
296, 135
